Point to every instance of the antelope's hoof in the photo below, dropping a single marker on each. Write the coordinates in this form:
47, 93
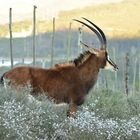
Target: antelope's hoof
71, 115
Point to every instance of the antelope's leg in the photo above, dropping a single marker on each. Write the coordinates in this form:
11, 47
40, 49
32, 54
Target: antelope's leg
72, 110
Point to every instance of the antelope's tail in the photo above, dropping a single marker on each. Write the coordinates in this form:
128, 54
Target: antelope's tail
1, 80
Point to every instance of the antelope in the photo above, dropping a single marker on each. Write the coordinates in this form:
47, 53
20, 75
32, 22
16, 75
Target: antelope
68, 82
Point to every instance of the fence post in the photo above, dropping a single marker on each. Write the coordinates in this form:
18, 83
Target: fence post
52, 48
80, 39
11, 38
69, 43
116, 78
34, 34
139, 75
126, 73
134, 77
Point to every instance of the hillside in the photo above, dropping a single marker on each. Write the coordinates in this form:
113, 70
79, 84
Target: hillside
118, 20
121, 18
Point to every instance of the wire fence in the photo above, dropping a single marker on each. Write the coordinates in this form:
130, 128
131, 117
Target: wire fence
60, 47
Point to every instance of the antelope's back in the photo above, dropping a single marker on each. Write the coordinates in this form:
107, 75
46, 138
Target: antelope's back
57, 79
18, 76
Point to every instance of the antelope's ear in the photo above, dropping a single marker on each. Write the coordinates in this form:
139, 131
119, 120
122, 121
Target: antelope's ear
91, 50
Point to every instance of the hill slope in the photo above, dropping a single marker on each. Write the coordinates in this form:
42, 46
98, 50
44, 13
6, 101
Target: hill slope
117, 20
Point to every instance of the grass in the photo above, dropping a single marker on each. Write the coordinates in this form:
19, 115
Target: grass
105, 115
111, 104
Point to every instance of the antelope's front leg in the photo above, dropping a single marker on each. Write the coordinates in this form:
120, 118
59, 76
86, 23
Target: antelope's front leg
72, 110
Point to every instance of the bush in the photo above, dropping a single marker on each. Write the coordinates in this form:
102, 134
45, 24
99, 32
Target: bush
24, 117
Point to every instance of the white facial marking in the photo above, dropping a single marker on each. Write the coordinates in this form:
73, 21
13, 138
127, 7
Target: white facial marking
108, 58
109, 65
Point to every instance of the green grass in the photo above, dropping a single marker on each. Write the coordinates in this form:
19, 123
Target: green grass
111, 104
105, 115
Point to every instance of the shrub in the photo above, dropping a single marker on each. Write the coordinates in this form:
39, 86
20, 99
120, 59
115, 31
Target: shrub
101, 117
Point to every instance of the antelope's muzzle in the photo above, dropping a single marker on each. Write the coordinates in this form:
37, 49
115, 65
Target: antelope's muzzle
111, 65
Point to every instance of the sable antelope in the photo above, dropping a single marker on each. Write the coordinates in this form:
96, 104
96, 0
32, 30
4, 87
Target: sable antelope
67, 82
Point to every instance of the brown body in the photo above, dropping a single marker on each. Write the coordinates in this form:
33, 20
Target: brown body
68, 82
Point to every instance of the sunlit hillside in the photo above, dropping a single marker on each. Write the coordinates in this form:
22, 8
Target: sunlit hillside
116, 19
121, 19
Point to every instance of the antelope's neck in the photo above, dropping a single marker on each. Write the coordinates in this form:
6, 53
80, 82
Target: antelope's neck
89, 72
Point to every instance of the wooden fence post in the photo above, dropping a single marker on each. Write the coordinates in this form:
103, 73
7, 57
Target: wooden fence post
11, 38
53, 37
116, 74
69, 42
139, 75
126, 73
134, 77
34, 34
80, 48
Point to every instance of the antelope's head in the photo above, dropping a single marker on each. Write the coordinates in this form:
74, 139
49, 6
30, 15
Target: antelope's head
104, 60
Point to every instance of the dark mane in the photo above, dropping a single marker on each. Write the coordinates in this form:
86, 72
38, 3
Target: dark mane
77, 61
82, 58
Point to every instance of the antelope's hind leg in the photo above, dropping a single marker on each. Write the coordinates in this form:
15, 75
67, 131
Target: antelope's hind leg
6, 83
72, 110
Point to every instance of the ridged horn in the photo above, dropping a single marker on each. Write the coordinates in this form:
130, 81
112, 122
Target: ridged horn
97, 31
100, 31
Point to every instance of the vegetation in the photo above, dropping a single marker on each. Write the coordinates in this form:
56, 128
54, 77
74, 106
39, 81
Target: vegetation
105, 115
108, 113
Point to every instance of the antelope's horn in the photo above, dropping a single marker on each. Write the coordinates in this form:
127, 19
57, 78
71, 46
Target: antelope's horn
97, 32
100, 31
92, 50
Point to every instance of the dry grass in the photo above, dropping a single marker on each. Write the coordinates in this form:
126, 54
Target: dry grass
105, 115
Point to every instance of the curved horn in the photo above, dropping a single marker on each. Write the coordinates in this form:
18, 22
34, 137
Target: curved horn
92, 50
95, 31
100, 31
